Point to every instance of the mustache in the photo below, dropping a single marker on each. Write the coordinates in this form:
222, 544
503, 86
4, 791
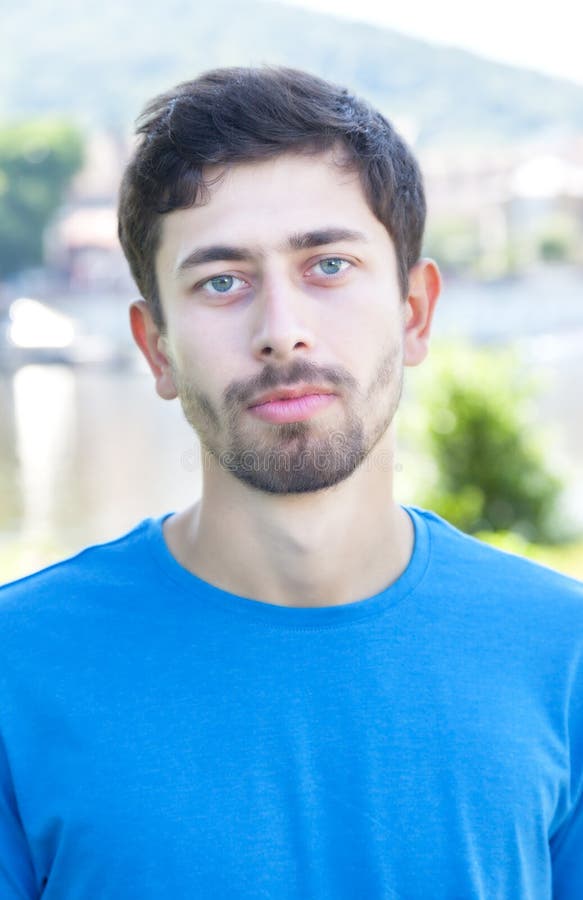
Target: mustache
298, 372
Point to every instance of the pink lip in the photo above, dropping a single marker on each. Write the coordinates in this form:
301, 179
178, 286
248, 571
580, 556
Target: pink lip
292, 409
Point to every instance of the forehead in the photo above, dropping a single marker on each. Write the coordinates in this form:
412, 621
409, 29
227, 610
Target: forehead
261, 203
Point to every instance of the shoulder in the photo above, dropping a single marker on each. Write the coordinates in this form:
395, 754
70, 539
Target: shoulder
93, 571
464, 563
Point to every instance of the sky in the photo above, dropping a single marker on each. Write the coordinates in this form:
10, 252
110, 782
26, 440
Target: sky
545, 37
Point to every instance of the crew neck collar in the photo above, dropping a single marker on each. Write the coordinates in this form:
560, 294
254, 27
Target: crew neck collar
293, 617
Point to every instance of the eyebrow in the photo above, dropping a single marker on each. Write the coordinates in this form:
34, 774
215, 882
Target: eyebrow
299, 241
323, 236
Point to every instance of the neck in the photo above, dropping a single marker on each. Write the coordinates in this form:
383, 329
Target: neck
316, 549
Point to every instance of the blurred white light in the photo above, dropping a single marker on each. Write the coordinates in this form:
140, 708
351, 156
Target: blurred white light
548, 176
36, 325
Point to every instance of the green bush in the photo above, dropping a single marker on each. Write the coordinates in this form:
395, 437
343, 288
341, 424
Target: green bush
558, 239
477, 429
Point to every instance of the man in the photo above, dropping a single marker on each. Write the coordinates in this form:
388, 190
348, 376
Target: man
294, 688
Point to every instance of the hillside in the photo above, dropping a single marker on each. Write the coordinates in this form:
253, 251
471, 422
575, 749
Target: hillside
101, 62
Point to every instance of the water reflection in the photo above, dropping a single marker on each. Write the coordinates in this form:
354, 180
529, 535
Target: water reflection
44, 416
10, 496
84, 455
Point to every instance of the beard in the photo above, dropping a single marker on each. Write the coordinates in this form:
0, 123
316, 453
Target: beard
295, 457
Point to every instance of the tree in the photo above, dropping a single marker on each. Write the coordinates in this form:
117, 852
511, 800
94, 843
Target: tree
37, 161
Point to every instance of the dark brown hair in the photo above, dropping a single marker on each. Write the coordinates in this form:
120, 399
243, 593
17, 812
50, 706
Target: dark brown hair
237, 115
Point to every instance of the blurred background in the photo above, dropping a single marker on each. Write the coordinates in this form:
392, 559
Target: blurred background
490, 430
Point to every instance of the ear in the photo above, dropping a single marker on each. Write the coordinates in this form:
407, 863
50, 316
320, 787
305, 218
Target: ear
424, 289
153, 345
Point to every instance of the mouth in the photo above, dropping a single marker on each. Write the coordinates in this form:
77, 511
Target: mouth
292, 404
291, 393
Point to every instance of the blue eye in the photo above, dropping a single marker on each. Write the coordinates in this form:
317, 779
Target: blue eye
334, 265
222, 284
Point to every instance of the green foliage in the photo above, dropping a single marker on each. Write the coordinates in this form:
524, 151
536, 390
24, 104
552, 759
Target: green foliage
477, 429
37, 161
552, 248
559, 239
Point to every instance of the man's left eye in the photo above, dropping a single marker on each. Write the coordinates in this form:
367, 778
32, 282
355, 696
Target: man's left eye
333, 265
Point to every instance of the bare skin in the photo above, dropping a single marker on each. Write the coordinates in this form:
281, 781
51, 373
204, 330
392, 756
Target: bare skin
327, 305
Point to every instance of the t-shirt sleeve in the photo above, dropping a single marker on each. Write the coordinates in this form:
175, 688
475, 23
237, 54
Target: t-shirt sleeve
17, 880
567, 843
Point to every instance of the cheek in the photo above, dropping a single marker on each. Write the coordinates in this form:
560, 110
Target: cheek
205, 365
194, 345
358, 340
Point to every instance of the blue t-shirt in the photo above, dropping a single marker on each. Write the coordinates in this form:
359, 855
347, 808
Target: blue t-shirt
161, 738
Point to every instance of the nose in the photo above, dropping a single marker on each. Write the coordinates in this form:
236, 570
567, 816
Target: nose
281, 327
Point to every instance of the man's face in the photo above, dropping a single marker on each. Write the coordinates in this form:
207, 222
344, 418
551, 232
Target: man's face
284, 323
